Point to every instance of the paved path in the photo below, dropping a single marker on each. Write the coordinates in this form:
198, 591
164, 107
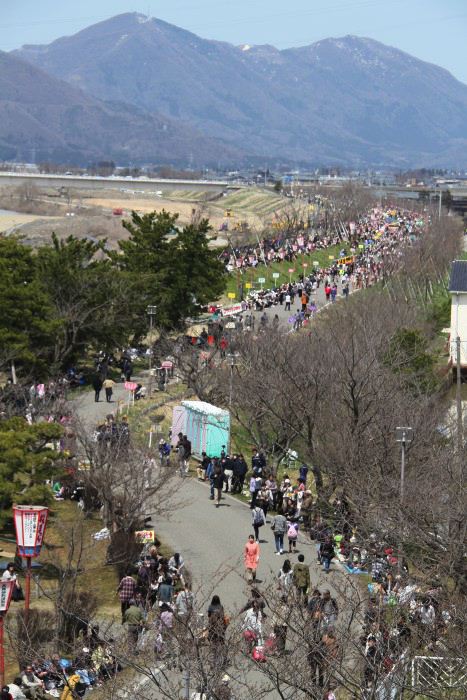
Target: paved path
211, 541
90, 412
318, 297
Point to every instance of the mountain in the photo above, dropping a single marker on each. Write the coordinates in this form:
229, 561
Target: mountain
350, 100
59, 122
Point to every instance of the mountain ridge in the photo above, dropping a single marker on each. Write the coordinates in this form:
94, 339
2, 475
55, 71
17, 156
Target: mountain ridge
57, 121
343, 100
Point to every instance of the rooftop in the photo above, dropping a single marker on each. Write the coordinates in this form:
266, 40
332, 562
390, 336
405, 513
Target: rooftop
203, 407
458, 281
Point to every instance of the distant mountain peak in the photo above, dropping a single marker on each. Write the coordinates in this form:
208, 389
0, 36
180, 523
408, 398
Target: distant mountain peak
143, 19
347, 99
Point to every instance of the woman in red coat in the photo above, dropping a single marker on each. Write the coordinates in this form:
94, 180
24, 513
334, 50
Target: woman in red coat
251, 558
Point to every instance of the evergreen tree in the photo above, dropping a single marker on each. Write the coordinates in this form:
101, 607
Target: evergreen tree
26, 461
27, 324
90, 300
171, 268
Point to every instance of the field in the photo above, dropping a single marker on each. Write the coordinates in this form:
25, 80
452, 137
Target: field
90, 212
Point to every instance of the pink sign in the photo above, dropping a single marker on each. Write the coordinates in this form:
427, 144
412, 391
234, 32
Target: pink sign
291, 269
130, 386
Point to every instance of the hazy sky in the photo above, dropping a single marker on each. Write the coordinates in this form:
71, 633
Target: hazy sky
433, 30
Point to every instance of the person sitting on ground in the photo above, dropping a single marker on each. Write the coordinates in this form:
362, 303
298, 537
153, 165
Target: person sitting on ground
176, 564
15, 689
33, 685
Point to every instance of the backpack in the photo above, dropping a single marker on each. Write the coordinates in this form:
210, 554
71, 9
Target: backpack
258, 517
292, 532
258, 654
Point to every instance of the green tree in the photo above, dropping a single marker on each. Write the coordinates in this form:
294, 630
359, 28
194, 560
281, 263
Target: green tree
27, 324
278, 186
91, 300
27, 459
172, 268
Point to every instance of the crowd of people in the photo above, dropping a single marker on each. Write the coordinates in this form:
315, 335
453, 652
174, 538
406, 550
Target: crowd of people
291, 508
369, 252
67, 679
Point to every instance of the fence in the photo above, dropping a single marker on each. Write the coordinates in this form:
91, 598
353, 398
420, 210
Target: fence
439, 673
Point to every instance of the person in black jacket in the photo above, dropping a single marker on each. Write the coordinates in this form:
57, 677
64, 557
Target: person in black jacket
97, 386
218, 479
327, 553
240, 469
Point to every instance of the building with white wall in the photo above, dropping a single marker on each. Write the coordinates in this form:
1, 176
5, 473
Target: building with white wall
458, 291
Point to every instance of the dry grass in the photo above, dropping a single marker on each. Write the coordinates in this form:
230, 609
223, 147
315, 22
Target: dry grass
69, 532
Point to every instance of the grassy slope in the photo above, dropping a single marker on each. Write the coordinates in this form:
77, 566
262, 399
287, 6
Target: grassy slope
251, 275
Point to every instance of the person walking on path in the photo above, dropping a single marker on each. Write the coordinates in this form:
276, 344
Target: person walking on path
181, 451
292, 536
134, 620
301, 577
216, 630
279, 527
326, 552
108, 385
218, 479
285, 577
258, 520
210, 478
97, 386
126, 591
187, 455
253, 627
329, 610
251, 558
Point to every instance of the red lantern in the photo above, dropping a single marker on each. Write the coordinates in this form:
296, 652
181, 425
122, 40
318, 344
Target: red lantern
30, 522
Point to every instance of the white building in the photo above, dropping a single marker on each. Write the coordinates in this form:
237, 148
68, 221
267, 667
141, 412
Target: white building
458, 291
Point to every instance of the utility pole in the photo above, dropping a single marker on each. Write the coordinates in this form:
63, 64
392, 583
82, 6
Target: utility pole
232, 362
186, 684
439, 203
151, 312
404, 435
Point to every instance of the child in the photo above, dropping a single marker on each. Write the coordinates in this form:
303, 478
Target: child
292, 534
